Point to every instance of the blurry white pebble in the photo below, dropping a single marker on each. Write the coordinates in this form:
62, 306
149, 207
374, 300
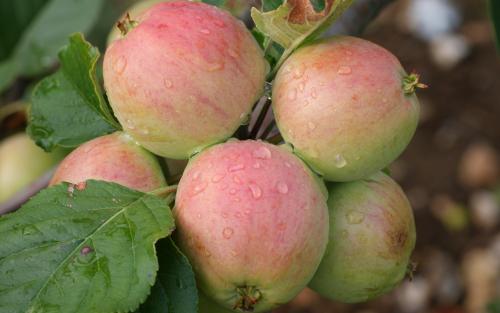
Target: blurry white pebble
449, 50
413, 296
485, 209
429, 19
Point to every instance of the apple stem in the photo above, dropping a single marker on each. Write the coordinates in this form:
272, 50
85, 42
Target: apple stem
411, 83
249, 296
126, 24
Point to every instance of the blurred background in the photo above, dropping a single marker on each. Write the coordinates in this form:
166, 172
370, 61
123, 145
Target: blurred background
450, 171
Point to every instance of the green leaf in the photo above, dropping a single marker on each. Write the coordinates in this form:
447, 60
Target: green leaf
86, 251
218, 3
175, 289
68, 107
275, 25
494, 6
318, 5
15, 16
269, 5
41, 29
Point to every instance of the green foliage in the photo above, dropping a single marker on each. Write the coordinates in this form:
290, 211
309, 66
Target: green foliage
218, 3
318, 5
276, 26
89, 250
269, 5
39, 29
68, 107
175, 289
494, 6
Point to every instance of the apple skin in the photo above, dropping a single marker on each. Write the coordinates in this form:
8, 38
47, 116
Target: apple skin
206, 305
114, 158
253, 221
21, 163
372, 236
185, 77
340, 102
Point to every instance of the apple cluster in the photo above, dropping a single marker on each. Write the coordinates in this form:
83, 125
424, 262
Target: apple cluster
260, 222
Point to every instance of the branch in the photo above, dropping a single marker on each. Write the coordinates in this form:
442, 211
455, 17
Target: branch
357, 17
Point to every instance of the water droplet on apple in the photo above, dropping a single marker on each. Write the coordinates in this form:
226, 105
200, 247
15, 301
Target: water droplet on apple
256, 191
282, 187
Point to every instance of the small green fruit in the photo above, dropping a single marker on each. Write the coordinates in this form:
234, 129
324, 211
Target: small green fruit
21, 163
372, 235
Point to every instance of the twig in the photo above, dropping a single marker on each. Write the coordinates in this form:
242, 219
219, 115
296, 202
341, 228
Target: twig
357, 17
260, 119
24, 195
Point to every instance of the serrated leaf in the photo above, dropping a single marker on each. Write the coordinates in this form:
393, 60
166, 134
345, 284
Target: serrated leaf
318, 5
41, 28
269, 5
82, 251
275, 24
494, 6
175, 289
68, 107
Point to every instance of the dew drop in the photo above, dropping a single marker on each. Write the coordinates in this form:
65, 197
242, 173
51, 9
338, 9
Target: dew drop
168, 83
224, 215
217, 178
238, 214
292, 94
145, 131
299, 71
220, 23
311, 125
288, 165
314, 95
354, 217
339, 161
199, 188
247, 212
234, 253
129, 124
207, 253
71, 189
384, 100
196, 175
245, 118
223, 187
232, 53
282, 187
236, 168
232, 191
237, 179
262, 153
236, 199
198, 216
256, 191
344, 70
205, 31
257, 165
301, 87
212, 67
120, 65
